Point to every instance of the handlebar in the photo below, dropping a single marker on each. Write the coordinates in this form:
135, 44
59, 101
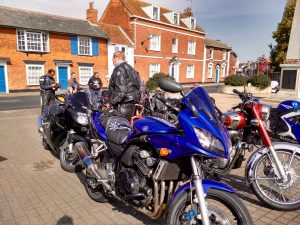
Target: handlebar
237, 92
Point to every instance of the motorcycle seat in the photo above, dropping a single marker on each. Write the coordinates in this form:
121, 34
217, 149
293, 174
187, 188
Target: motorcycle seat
117, 129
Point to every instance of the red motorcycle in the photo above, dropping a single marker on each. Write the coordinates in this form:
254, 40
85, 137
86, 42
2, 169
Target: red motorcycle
273, 170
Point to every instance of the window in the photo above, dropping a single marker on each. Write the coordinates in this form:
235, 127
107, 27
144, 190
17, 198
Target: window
85, 73
176, 18
175, 45
33, 74
153, 69
224, 54
33, 41
223, 70
211, 53
209, 70
190, 71
155, 13
193, 23
84, 46
191, 47
154, 42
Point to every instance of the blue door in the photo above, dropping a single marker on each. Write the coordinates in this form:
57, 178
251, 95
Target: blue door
63, 77
2, 80
217, 76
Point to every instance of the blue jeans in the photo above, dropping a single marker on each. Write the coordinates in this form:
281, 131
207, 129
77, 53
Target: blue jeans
96, 98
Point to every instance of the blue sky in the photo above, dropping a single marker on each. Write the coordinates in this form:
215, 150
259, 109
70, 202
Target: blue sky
246, 25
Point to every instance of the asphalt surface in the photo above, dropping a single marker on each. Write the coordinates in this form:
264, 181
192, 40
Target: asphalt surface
33, 101
19, 102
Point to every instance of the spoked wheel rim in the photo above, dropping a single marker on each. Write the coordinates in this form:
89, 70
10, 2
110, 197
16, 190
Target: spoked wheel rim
274, 189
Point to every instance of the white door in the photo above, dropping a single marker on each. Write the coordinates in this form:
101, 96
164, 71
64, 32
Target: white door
174, 71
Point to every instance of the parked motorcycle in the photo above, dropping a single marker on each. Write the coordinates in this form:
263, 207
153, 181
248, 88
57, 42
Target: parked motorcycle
156, 167
66, 123
273, 170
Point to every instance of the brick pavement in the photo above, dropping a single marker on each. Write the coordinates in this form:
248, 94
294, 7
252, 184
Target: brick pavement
35, 190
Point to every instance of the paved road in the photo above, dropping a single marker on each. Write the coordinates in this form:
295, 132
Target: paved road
35, 190
19, 102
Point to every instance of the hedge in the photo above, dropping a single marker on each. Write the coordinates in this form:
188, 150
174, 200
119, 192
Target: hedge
152, 83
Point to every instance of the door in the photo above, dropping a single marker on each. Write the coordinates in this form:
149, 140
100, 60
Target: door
175, 71
217, 74
63, 77
2, 79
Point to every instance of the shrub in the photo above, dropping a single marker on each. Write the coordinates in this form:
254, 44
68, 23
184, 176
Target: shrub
261, 81
235, 80
152, 83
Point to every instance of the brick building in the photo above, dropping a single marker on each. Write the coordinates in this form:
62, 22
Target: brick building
31, 43
164, 41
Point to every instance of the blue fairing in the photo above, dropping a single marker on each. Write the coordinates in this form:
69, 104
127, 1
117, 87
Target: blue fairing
96, 123
288, 105
150, 125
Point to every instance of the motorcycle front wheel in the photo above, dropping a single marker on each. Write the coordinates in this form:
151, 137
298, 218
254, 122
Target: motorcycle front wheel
69, 162
275, 193
223, 208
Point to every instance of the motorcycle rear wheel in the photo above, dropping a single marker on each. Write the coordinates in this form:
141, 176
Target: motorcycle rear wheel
269, 189
223, 208
95, 193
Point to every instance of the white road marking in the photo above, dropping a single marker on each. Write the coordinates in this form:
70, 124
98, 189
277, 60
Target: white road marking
9, 101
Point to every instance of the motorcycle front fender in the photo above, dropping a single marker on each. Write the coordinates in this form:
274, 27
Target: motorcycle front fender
249, 169
207, 184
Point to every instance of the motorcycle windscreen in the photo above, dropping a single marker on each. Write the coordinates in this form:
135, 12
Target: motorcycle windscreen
78, 100
201, 100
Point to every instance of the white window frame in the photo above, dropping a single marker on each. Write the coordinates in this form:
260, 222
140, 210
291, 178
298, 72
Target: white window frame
190, 71
223, 70
39, 75
224, 54
90, 41
210, 70
193, 27
158, 13
191, 50
178, 18
211, 56
175, 47
154, 46
26, 33
157, 65
79, 73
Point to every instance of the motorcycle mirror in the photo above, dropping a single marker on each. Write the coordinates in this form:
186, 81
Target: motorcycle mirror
61, 99
169, 85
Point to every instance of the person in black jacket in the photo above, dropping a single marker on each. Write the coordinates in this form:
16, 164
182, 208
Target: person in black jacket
95, 85
124, 86
47, 90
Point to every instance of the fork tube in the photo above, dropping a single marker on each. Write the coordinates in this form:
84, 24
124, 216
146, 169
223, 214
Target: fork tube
268, 143
199, 192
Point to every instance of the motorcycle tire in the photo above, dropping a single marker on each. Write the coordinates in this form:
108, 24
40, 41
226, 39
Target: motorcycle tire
222, 199
260, 194
68, 165
97, 194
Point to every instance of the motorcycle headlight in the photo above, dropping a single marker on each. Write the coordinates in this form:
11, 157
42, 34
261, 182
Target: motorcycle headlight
82, 119
209, 142
265, 111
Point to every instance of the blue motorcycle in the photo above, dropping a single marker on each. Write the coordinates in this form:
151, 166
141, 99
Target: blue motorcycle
156, 167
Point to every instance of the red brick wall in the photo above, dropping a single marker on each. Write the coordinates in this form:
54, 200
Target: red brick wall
60, 48
143, 34
232, 69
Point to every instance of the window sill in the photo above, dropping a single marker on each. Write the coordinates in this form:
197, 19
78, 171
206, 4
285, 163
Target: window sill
155, 50
85, 55
189, 77
191, 53
175, 52
39, 52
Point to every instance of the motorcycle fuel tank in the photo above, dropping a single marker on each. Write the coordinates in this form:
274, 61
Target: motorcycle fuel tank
288, 105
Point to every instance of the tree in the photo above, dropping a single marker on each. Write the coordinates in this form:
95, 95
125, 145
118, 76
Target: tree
282, 36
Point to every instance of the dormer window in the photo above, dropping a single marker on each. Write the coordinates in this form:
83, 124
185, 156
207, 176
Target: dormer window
193, 23
176, 18
155, 13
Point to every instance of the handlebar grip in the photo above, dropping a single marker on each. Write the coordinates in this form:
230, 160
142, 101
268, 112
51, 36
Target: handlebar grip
237, 92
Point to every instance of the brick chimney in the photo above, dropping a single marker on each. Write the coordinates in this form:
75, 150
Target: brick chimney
92, 14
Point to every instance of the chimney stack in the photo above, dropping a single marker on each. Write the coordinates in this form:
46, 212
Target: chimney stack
92, 14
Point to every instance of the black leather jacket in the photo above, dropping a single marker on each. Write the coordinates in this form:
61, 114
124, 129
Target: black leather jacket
45, 84
124, 85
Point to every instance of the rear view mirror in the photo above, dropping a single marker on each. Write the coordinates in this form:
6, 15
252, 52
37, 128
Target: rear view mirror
169, 85
61, 99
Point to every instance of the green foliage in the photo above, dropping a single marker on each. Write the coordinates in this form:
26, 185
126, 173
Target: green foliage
235, 80
261, 81
282, 36
152, 83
